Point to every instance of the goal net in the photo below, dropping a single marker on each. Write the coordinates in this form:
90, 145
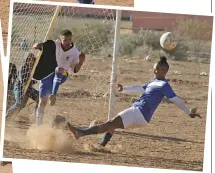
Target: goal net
83, 95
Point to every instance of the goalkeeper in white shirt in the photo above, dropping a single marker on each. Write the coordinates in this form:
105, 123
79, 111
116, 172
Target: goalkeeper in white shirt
142, 110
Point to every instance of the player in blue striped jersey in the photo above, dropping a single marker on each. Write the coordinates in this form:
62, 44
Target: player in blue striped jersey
142, 110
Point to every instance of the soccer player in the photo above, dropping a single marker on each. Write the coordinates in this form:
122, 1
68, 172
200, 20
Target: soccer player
142, 110
20, 78
53, 67
86, 1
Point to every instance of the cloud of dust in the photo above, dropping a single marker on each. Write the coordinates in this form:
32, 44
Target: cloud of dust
16, 136
46, 138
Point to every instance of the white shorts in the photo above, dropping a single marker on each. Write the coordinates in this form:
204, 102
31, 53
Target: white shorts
132, 118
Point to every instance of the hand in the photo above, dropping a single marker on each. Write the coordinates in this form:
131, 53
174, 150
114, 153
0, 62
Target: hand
120, 87
194, 115
37, 46
81, 58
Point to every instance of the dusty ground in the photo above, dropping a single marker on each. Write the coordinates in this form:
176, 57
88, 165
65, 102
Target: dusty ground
6, 168
172, 140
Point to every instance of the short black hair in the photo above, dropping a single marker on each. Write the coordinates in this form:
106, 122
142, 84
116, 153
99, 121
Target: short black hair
163, 62
66, 33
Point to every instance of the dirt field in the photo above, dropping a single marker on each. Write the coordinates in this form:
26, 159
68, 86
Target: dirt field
6, 168
172, 140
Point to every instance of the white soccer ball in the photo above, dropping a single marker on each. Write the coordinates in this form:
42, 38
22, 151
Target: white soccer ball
168, 41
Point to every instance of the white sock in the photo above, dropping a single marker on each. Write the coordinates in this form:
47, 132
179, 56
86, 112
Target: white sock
39, 116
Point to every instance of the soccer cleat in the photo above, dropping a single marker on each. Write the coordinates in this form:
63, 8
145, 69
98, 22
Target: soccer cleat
75, 132
52, 100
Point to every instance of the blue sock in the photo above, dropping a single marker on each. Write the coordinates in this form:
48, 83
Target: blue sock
106, 139
90, 131
56, 83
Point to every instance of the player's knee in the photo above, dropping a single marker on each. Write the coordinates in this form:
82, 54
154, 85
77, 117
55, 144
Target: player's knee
110, 124
59, 70
116, 122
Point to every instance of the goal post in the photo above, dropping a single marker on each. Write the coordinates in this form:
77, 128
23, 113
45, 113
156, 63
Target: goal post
93, 33
113, 82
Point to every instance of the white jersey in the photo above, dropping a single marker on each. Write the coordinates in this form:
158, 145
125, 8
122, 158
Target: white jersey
66, 59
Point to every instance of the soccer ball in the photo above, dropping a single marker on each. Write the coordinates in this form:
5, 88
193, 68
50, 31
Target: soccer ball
168, 41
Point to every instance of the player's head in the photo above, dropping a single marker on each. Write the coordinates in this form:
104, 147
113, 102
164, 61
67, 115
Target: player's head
66, 38
161, 68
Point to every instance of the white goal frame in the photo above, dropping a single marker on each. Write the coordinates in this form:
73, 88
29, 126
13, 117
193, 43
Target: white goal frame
113, 80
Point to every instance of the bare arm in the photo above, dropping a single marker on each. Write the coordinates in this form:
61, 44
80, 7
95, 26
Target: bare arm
38, 46
79, 65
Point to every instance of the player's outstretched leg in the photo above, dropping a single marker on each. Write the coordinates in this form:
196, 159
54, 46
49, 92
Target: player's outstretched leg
115, 123
56, 84
129, 118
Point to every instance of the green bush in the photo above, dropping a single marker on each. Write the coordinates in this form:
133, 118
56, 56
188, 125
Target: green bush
197, 33
96, 37
147, 42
